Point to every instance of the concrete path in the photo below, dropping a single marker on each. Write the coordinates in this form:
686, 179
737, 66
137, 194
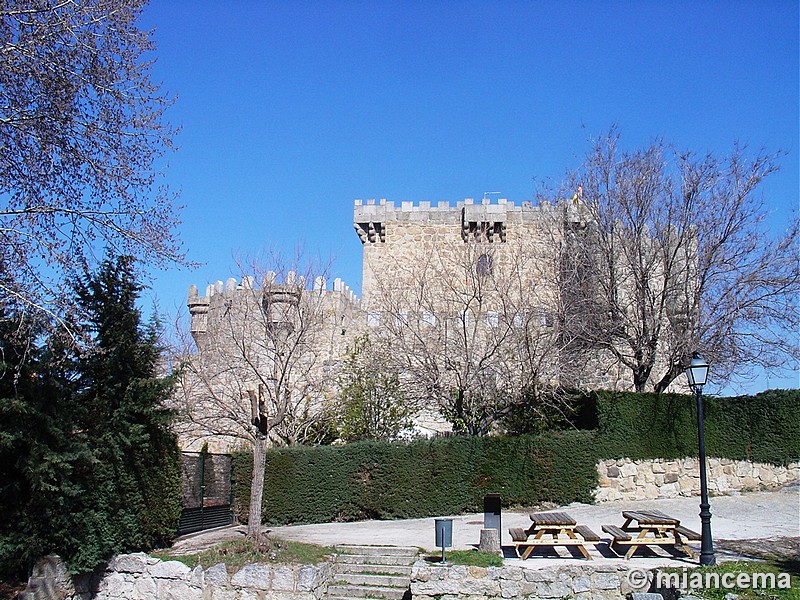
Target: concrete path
759, 515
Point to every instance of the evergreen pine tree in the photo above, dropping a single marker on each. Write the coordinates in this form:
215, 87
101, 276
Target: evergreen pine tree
137, 487
45, 461
88, 465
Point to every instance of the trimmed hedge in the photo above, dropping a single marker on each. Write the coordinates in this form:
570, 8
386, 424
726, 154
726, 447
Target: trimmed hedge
375, 480
762, 428
379, 480
774, 426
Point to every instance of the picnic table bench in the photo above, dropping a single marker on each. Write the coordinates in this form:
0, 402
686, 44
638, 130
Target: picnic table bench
650, 528
552, 529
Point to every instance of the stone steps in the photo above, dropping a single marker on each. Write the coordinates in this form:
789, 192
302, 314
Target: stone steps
372, 579
363, 559
377, 550
372, 572
363, 592
376, 569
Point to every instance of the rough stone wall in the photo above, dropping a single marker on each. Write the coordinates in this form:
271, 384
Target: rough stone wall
142, 577
340, 307
398, 241
584, 582
472, 282
627, 479
236, 356
409, 246
593, 369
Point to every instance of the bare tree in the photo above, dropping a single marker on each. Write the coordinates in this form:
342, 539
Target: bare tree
81, 132
473, 329
261, 370
673, 256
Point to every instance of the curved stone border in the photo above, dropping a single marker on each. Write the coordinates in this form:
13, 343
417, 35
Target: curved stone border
585, 582
142, 577
627, 479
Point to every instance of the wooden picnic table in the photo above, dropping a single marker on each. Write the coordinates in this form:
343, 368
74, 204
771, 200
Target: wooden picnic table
654, 518
650, 528
552, 529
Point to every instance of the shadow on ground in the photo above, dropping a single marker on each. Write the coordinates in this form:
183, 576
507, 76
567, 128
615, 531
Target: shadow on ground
784, 552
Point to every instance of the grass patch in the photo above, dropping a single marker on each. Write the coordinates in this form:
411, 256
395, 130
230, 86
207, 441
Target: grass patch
774, 576
470, 558
189, 560
237, 553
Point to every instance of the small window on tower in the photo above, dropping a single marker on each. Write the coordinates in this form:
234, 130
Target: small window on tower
484, 266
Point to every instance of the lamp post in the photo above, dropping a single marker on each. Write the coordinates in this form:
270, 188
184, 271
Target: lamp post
697, 373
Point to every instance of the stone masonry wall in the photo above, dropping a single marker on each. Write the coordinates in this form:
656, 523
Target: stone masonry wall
242, 331
397, 240
408, 247
627, 479
584, 582
142, 577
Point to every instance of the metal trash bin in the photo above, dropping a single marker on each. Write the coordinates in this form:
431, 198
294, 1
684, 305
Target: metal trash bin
491, 512
444, 534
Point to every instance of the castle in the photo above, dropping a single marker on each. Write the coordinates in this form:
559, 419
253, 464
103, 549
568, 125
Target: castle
453, 288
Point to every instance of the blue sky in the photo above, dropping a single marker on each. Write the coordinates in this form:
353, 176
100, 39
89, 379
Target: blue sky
290, 110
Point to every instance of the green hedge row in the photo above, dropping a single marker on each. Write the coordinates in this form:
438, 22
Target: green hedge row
450, 476
762, 428
367, 480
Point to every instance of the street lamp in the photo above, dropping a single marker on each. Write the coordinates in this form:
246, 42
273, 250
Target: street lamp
696, 373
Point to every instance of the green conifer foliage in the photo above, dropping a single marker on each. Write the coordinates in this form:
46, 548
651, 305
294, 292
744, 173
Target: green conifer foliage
88, 465
44, 458
137, 484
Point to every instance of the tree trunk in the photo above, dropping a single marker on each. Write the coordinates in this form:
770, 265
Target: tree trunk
675, 371
257, 488
640, 376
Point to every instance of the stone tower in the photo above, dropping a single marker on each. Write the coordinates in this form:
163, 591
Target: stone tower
396, 238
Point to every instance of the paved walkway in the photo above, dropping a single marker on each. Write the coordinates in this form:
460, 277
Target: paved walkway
759, 515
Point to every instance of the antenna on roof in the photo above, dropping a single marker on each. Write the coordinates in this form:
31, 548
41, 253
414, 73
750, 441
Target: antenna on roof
487, 194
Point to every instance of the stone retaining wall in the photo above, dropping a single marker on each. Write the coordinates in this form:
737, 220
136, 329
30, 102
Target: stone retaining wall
627, 479
142, 577
584, 582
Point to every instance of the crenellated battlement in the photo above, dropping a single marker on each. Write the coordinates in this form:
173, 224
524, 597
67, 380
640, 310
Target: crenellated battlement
445, 204
426, 206
372, 218
270, 281
338, 299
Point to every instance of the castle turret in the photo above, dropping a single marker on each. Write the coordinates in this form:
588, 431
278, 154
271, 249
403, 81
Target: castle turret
198, 310
276, 300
